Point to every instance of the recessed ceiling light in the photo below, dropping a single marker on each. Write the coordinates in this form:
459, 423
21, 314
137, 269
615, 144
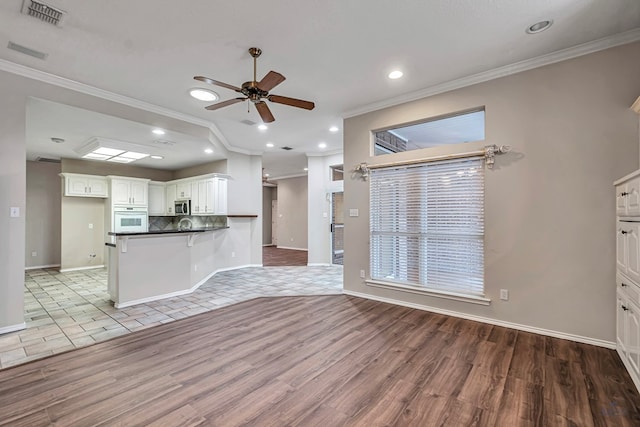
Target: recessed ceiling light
208, 151
158, 131
263, 127
333, 129
57, 140
322, 145
539, 27
270, 144
203, 94
267, 175
395, 74
157, 157
306, 169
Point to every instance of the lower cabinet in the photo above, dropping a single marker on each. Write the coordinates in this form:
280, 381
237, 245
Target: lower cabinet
628, 326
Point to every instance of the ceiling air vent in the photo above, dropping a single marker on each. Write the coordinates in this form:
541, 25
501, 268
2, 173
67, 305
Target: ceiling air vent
47, 160
247, 122
44, 12
164, 142
27, 51
287, 148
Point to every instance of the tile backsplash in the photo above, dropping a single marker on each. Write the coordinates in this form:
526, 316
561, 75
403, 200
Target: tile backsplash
171, 222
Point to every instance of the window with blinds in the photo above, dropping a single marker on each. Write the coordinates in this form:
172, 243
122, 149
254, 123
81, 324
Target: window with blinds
427, 226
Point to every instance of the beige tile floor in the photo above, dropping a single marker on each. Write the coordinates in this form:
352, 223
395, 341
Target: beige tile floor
64, 311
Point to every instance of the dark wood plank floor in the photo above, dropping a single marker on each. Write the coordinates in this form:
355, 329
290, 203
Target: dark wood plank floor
273, 256
323, 360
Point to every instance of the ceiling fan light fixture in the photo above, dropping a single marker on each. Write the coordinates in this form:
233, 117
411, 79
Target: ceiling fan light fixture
203, 94
396, 74
539, 27
263, 127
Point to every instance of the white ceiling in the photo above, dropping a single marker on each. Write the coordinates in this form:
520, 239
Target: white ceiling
336, 53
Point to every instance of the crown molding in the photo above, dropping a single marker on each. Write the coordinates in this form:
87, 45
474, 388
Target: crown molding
540, 61
324, 153
52, 79
297, 175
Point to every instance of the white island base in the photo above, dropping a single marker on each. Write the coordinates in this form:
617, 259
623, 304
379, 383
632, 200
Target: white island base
147, 266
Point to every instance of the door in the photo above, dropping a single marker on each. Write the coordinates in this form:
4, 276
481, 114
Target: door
632, 343
337, 228
274, 222
138, 192
621, 246
120, 192
633, 250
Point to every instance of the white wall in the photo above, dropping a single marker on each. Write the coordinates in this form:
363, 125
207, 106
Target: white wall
549, 205
42, 214
320, 186
292, 213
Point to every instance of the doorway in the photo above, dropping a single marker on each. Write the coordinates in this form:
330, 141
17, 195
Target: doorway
337, 228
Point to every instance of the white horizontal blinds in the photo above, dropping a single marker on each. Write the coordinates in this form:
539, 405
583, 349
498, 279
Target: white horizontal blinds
427, 225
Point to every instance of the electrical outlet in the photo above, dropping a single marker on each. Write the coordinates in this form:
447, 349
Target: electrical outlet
90, 226
362, 274
504, 294
92, 255
34, 253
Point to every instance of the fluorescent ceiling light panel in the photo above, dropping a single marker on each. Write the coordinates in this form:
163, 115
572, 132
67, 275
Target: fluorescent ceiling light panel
119, 159
133, 155
96, 156
108, 151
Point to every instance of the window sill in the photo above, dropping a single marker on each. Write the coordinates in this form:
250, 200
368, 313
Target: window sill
429, 292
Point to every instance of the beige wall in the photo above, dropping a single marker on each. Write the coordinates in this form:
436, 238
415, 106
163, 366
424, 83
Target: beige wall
78, 239
219, 166
43, 214
549, 204
292, 213
104, 168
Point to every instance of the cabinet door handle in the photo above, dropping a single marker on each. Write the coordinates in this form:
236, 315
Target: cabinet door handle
85, 189
624, 285
625, 232
624, 308
624, 193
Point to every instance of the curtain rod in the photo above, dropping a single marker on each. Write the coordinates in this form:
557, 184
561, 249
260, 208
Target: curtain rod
487, 152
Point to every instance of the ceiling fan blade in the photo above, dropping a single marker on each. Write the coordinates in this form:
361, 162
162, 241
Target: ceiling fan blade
265, 113
307, 105
271, 80
224, 103
216, 83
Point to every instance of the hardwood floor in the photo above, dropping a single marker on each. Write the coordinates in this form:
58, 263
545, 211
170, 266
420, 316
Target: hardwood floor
323, 360
277, 257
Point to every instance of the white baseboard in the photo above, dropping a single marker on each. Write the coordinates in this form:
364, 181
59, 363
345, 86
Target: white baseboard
293, 249
319, 264
183, 292
36, 267
91, 267
13, 328
525, 328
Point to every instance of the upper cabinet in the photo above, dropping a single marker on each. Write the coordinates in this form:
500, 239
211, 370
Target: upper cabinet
628, 197
209, 196
129, 191
170, 199
183, 190
157, 196
78, 185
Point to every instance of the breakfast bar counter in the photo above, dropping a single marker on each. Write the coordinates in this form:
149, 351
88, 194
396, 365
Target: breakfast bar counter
147, 266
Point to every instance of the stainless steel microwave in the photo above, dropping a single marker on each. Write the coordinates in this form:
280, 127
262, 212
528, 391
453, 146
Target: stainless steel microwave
183, 207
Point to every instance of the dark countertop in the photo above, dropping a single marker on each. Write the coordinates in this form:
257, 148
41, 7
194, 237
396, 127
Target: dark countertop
156, 232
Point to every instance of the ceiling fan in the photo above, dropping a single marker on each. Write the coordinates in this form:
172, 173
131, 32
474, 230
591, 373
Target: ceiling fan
256, 91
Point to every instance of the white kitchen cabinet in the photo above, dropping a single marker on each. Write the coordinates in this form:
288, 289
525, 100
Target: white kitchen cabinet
628, 198
129, 191
171, 199
157, 196
78, 185
183, 190
628, 273
209, 196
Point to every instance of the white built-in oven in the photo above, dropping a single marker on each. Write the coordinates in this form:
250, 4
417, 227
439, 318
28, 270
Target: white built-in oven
130, 220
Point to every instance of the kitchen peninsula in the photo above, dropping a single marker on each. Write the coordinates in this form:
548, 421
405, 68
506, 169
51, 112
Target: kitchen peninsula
147, 266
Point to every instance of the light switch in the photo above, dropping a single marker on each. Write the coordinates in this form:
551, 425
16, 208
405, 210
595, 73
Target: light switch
15, 212
354, 212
